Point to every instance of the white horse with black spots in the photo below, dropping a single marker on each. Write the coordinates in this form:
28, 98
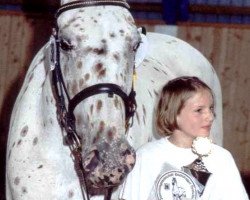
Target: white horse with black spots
69, 134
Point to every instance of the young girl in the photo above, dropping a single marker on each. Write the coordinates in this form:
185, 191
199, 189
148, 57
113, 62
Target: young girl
172, 168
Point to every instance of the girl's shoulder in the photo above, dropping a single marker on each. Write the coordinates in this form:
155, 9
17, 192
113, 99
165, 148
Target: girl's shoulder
221, 152
152, 147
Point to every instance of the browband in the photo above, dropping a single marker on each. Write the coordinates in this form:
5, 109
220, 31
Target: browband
79, 4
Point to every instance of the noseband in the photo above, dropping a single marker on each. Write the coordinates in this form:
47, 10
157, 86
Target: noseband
66, 115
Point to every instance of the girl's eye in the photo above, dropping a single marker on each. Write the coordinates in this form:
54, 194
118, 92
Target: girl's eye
199, 110
212, 109
65, 45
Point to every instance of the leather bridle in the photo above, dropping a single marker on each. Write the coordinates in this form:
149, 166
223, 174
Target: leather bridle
66, 114
79, 4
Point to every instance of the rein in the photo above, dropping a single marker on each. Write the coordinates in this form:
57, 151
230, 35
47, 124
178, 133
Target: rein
65, 114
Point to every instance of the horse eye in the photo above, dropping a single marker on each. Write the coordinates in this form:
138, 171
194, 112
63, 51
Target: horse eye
65, 45
136, 46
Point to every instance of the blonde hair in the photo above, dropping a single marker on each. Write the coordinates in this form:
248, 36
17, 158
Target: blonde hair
173, 97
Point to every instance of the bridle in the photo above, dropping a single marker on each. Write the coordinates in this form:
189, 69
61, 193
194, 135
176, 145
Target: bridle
79, 4
65, 114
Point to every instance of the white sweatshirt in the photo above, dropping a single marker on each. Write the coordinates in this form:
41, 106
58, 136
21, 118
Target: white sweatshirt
158, 174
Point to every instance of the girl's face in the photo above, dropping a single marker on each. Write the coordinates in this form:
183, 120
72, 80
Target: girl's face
197, 115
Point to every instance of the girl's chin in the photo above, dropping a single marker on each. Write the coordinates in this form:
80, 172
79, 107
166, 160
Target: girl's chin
203, 135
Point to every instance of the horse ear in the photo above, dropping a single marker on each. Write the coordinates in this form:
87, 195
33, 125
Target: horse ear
143, 47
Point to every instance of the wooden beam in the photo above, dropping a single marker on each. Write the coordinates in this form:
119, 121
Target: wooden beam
146, 7
219, 10
156, 7
194, 8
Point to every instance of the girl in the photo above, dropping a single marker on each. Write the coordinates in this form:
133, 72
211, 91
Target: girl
171, 168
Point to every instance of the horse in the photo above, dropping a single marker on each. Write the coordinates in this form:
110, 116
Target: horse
76, 122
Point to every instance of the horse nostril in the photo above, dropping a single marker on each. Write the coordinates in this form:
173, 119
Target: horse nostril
91, 161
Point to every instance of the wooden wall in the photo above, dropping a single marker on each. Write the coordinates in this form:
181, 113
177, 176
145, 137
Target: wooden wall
227, 48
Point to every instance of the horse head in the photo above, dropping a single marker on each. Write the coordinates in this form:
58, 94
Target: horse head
92, 52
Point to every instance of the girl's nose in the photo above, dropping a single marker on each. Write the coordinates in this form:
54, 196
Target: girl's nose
210, 115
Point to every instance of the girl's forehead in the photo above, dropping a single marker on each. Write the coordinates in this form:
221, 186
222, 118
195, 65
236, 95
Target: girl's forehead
202, 96
203, 92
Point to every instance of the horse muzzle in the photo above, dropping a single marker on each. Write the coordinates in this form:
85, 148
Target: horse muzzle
108, 163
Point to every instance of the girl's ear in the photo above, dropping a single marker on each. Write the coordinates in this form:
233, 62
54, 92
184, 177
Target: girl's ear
177, 121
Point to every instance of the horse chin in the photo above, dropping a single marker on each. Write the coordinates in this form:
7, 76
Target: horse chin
108, 163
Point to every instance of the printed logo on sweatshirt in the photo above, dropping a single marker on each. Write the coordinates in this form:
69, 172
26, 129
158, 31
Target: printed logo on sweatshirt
175, 185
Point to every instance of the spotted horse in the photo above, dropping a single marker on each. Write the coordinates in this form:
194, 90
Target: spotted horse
71, 133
